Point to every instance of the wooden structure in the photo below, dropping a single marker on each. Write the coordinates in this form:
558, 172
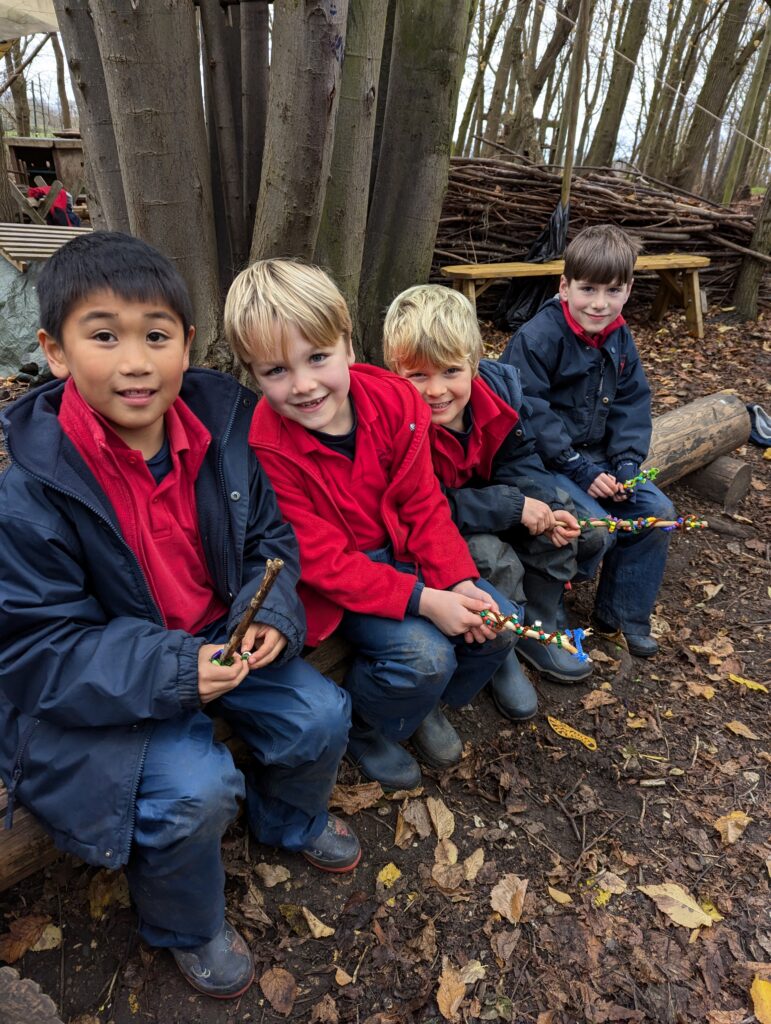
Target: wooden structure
678, 279
49, 158
20, 244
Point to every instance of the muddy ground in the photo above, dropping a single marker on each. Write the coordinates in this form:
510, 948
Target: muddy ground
529, 909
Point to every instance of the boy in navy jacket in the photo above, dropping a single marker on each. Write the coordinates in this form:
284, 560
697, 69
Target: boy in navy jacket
520, 529
346, 448
592, 420
135, 525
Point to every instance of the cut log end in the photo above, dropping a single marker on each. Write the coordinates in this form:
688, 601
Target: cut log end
724, 480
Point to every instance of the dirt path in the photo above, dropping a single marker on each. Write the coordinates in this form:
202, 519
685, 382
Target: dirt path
530, 909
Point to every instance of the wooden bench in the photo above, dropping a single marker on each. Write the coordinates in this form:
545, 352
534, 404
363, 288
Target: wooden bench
20, 244
678, 279
26, 848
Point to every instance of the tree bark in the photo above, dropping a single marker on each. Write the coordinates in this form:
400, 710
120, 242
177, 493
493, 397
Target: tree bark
340, 242
13, 60
595, 81
567, 15
746, 291
254, 83
64, 103
8, 207
603, 144
478, 84
748, 118
426, 69
718, 81
659, 93
500, 84
155, 96
299, 136
382, 92
96, 126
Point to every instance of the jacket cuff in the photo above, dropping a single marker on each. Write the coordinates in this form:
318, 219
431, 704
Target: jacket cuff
582, 471
413, 605
187, 676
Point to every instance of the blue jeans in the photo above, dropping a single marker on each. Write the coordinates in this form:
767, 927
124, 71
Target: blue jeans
632, 563
295, 723
402, 669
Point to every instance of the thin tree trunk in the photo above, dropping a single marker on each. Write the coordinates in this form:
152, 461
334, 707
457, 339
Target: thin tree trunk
155, 96
299, 136
212, 22
746, 291
340, 243
426, 69
478, 84
603, 145
748, 119
498, 95
94, 116
590, 101
382, 92
8, 207
570, 118
255, 84
13, 61
757, 164
64, 103
567, 15
659, 94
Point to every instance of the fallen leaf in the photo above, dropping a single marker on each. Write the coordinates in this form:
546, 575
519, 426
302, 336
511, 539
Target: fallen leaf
446, 852
731, 826
342, 977
425, 943
677, 904
761, 999
508, 897
472, 972
51, 938
603, 897
352, 799
271, 874
559, 897
749, 683
324, 1011
451, 992
725, 1016
741, 730
253, 906
415, 813
107, 887
442, 817
635, 722
404, 833
473, 864
709, 908
597, 698
611, 882
449, 877
133, 1003
388, 875
22, 935
601, 658
319, 930
712, 589
280, 989
700, 690
293, 915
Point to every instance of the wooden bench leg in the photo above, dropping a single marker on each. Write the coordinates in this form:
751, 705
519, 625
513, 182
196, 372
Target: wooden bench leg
469, 289
669, 290
692, 303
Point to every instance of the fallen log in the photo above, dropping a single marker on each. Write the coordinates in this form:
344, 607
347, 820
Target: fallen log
692, 436
725, 480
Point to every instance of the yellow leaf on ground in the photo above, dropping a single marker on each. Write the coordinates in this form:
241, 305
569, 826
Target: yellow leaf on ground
319, 930
610, 881
767, 453
709, 908
51, 938
404, 833
107, 887
603, 897
740, 729
731, 826
450, 993
472, 865
508, 897
761, 999
749, 683
677, 904
473, 971
558, 896
342, 977
446, 852
388, 875
701, 690
441, 816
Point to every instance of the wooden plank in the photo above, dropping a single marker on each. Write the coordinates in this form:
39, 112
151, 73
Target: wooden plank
24, 849
483, 271
692, 303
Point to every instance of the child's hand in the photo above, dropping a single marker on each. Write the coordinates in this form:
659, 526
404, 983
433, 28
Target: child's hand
537, 517
456, 611
567, 528
265, 643
216, 680
604, 486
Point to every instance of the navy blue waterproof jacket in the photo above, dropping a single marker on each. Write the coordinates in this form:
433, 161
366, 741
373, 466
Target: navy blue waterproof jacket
86, 664
583, 398
495, 505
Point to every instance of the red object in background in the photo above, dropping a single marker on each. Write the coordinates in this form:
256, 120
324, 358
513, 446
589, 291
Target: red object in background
61, 212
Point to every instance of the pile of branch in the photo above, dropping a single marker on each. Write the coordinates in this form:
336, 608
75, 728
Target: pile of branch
493, 210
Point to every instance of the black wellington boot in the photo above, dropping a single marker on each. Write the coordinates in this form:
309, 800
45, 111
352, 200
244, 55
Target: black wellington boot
544, 606
512, 692
379, 759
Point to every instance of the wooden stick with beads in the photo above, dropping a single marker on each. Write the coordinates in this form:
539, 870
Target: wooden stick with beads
611, 523
568, 640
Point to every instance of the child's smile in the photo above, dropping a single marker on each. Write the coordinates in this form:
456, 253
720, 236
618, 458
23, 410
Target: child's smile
594, 306
445, 390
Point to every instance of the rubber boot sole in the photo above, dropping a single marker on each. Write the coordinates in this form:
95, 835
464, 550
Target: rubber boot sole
333, 871
212, 995
505, 714
549, 674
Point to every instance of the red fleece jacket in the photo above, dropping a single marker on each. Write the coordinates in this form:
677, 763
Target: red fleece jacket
336, 575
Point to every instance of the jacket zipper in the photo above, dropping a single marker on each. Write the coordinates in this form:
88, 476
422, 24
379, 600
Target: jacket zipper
17, 774
221, 472
135, 790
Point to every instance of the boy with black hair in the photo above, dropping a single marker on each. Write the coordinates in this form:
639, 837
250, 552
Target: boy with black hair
346, 448
135, 526
520, 529
592, 420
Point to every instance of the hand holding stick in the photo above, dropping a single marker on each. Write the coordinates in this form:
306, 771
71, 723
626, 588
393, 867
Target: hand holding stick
273, 567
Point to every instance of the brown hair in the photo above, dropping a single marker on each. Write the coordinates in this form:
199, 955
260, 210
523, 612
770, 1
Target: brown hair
601, 254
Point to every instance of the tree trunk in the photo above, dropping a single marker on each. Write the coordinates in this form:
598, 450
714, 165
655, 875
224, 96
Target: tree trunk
426, 69
299, 136
61, 87
590, 100
340, 242
498, 95
96, 127
382, 92
13, 59
8, 208
603, 144
478, 84
226, 131
563, 23
155, 96
718, 80
520, 133
748, 119
254, 83
659, 93
746, 291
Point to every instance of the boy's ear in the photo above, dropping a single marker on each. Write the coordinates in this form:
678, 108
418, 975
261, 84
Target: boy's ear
188, 346
54, 353
563, 288
350, 355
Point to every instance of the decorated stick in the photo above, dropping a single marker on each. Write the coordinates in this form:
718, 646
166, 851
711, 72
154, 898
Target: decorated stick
612, 524
273, 567
642, 476
569, 640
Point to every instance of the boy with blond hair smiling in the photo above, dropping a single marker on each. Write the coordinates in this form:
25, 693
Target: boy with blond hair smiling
520, 530
592, 420
346, 448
